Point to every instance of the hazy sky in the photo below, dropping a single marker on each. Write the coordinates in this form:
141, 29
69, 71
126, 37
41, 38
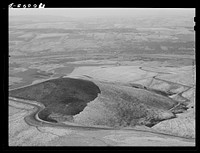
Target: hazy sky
91, 12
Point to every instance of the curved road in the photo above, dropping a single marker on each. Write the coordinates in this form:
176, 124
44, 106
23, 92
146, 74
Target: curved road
169, 82
33, 120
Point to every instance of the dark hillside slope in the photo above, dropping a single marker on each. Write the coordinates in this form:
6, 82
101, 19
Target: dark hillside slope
64, 95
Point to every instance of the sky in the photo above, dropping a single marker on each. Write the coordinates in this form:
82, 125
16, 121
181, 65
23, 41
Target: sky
98, 12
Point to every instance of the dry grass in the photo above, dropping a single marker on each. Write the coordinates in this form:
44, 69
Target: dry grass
124, 106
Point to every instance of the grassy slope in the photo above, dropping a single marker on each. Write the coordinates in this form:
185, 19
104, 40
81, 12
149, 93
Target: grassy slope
125, 106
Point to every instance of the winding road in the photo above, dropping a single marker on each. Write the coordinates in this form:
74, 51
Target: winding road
33, 119
169, 82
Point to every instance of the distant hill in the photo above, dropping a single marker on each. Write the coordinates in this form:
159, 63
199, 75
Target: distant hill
146, 33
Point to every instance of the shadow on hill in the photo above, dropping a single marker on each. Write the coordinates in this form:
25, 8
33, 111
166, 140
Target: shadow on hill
66, 96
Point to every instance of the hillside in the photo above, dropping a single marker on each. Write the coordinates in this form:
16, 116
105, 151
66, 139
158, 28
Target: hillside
66, 95
118, 104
